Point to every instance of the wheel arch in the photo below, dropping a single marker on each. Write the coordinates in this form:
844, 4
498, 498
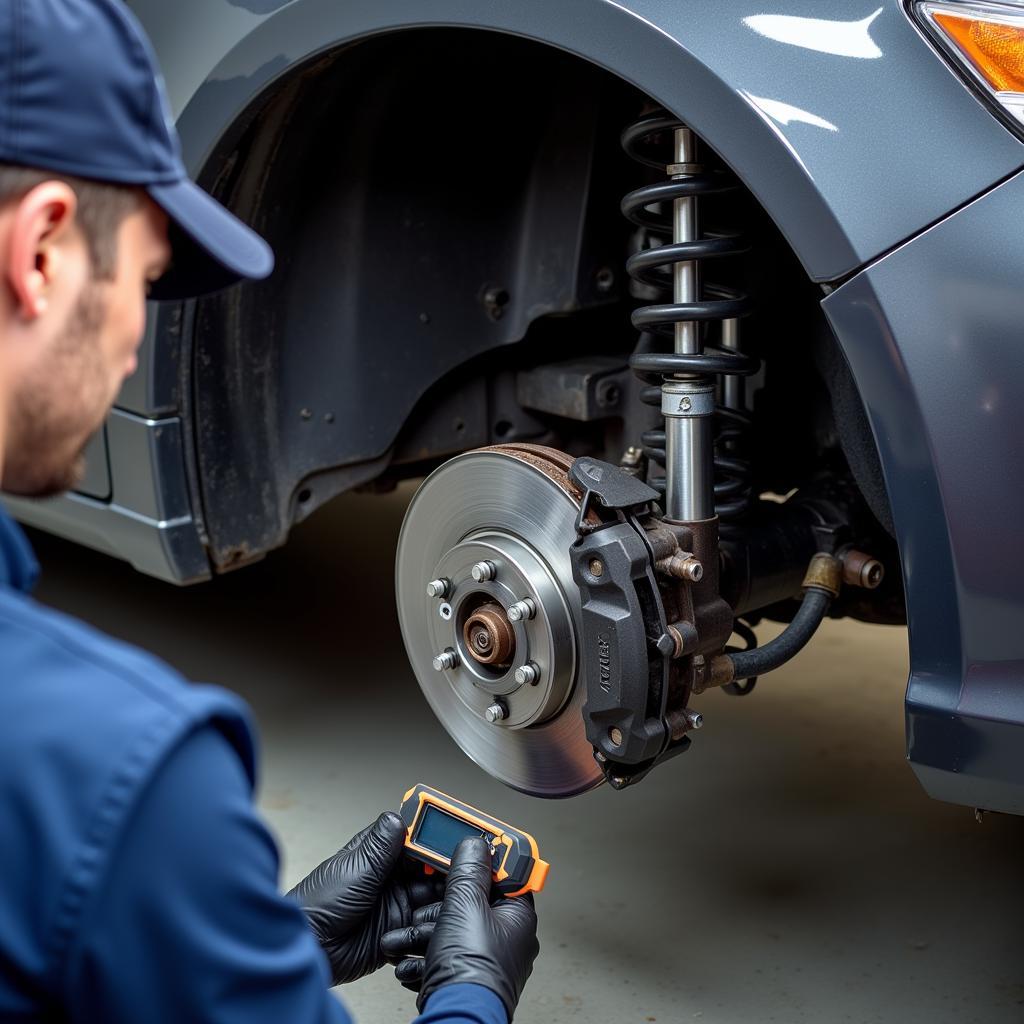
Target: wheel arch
801, 173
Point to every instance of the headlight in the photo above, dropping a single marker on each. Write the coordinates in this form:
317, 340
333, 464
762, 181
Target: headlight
985, 43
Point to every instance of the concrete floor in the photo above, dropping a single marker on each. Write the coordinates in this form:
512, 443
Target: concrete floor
787, 868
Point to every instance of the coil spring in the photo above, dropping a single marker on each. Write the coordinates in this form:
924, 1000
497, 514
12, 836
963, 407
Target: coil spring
653, 266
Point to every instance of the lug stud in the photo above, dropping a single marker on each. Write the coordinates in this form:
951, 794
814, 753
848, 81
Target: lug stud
446, 659
483, 571
528, 673
438, 588
525, 609
497, 712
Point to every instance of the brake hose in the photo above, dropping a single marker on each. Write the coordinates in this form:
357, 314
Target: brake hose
790, 642
821, 588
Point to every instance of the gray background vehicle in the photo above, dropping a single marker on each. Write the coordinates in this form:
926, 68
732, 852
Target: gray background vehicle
441, 181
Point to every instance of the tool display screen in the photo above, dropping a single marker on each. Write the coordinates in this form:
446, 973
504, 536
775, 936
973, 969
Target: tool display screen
442, 832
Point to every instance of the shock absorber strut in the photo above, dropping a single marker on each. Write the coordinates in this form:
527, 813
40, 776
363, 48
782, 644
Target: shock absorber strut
701, 485
684, 379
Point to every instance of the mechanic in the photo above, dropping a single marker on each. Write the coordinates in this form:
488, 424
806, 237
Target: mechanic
139, 882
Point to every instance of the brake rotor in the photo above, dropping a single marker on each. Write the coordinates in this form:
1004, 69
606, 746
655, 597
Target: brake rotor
494, 641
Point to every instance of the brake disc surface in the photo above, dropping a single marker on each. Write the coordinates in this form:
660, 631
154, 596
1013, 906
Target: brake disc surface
494, 527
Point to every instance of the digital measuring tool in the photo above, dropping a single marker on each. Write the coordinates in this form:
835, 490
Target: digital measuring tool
435, 824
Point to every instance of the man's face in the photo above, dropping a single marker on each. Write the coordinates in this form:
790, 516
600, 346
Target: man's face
70, 380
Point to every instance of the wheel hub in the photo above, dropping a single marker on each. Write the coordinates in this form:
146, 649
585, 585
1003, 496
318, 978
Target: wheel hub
489, 635
490, 615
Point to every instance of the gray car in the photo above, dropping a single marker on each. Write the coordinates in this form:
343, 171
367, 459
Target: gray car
693, 315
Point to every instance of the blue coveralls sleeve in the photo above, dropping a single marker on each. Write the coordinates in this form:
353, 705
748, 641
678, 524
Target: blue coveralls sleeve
188, 923
463, 1004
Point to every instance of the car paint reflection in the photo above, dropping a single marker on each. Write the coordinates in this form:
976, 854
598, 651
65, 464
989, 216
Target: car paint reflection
825, 35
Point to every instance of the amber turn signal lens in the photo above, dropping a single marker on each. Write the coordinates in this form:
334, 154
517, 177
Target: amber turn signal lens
996, 50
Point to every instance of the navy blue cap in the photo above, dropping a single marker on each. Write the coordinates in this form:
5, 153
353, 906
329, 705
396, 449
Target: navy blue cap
81, 94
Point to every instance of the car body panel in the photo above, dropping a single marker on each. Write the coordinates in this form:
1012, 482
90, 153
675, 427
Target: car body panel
147, 519
96, 483
934, 334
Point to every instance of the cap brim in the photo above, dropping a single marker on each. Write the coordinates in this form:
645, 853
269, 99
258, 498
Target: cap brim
212, 248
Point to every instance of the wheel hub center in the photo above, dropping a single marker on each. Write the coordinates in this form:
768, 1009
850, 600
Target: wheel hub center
489, 635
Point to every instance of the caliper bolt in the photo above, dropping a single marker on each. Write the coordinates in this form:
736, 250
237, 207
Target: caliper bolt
525, 609
596, 567
446, 659
615, 735
497, 712
438, 588
483, 571
691, 570
694, 719
683, 567
528, 673
631, 457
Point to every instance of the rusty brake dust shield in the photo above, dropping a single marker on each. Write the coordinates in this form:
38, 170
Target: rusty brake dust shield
519, 588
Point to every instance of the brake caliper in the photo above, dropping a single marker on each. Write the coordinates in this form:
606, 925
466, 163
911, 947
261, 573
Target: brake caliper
640, 645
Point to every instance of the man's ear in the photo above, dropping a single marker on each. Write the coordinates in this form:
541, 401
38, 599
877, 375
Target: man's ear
43, 222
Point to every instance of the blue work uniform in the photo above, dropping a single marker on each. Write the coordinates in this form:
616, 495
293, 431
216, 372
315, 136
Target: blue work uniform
138, 881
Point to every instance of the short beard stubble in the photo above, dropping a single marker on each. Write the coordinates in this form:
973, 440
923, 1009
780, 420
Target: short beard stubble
58, 409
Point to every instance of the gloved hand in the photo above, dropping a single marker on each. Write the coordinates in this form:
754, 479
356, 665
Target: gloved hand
472, 940
363, 891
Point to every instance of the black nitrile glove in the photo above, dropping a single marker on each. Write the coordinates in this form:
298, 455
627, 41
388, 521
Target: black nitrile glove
472, 941
363, 891
406, 947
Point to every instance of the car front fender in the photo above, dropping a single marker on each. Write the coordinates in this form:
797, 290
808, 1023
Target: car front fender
933, 333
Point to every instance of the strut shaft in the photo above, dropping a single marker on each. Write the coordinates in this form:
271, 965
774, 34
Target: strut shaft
685, 228
688, 403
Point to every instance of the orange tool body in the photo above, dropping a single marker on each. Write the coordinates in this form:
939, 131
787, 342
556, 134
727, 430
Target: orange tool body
435, 823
